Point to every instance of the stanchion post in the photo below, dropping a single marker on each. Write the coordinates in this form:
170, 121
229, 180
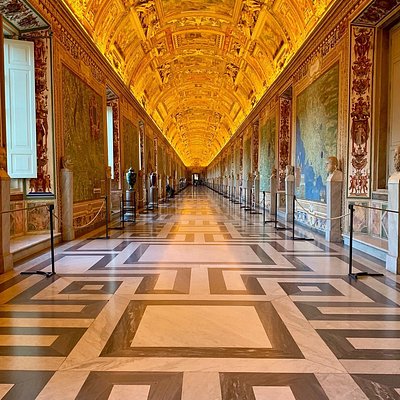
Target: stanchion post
106, 200
264, 206
123, 211
294, 215
51, 212
351, 207
276, 210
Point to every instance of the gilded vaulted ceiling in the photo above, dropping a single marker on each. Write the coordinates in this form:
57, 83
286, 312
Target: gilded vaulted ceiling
198, 66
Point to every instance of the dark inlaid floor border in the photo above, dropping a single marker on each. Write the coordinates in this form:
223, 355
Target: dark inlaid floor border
337, 341
283, 345
26, 384
163, 385
237, 386
379, 386
265, 259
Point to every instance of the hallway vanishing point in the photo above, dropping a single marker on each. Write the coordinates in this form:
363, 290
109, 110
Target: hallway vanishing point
199, 300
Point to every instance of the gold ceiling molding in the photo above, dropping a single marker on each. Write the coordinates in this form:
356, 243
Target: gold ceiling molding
198, 67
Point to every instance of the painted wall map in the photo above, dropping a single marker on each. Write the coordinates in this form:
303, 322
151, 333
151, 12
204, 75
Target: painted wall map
83, 136
237, 161
246, 157
267, 152
131, 145
162, 164
316, 134
149, 149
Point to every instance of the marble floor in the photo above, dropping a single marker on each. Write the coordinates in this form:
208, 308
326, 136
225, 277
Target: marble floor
199, 300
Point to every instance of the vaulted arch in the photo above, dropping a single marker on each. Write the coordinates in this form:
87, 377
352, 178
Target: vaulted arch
189, 60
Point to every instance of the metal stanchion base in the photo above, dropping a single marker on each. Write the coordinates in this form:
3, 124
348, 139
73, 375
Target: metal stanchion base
360, 274
303, 239
46, 274
282, 228
102, 238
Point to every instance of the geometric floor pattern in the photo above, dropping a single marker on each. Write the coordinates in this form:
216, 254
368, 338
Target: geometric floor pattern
199, 300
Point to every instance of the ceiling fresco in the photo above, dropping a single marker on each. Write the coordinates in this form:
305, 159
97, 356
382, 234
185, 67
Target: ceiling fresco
198, 67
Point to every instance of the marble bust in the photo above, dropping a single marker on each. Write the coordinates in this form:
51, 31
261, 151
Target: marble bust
332, 164
332, 168
3, 158
66, 163
289, 170
397, 159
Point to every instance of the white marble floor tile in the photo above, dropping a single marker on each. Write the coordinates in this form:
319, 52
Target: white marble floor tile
201, 326
63, 385
27, 340
309, 289
199, 254
31, 363
233, 280
340, 387
101, 244
166, 280
273, 392
74, 265
4, 389
375, 343
201, 386
372, 366
290, 245
327, 265
129, 392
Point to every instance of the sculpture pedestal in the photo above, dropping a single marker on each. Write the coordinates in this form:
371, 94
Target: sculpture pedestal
273, 189
130, 204
289, 191
393, 256
153, 196
334, 186
249, 192
67, 205
6, 260
257, 192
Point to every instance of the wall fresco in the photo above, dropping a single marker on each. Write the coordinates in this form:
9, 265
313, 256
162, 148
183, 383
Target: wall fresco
83, 136
267, 152
246, 157
316, 134
284, 142
149, 150
362, 57
130, 145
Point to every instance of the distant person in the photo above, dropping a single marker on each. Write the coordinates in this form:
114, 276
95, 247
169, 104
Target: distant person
170, 191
